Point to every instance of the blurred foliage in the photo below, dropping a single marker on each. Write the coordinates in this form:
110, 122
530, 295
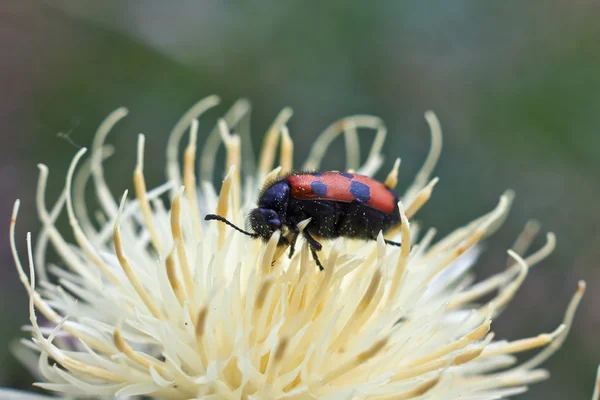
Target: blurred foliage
515, 86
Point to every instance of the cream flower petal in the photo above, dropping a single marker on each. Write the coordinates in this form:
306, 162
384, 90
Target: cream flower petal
152, 300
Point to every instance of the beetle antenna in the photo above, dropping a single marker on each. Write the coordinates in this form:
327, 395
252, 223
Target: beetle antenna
215, 217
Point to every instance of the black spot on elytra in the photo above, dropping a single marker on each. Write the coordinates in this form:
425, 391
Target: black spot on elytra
318, 188
360, 191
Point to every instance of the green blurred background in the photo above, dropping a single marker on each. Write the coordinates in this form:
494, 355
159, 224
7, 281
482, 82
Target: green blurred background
516, 86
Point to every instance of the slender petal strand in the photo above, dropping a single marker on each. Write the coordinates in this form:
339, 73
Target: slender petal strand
157, 302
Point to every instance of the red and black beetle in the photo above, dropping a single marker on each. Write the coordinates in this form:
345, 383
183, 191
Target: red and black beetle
339, 204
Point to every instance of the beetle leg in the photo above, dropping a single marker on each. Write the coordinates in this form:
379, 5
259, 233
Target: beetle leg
314, 247
316, 257
314, 244
293, 246
392, 243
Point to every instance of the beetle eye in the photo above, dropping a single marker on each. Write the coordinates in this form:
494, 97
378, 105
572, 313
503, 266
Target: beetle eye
274, 224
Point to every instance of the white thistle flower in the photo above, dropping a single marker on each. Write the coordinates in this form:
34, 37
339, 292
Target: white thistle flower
158, 303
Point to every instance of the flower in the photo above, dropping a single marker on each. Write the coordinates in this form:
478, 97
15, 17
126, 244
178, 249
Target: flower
157, 302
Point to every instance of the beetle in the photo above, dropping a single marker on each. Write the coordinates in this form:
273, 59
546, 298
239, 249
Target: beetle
339, 204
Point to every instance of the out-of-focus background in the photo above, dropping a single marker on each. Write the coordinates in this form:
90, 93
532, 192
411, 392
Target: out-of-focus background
515, 85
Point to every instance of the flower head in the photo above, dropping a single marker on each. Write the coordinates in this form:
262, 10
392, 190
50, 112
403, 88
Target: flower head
151, 300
